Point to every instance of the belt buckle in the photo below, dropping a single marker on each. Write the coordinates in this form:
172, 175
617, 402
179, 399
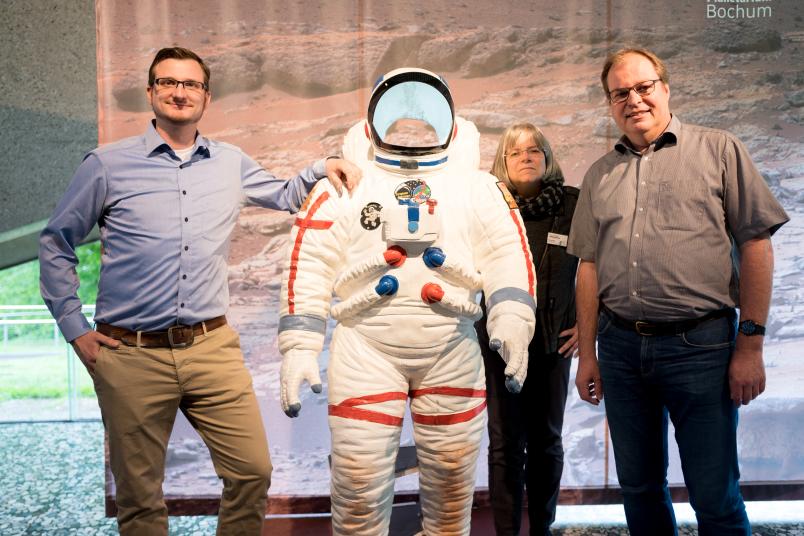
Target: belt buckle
644, 328
183, 344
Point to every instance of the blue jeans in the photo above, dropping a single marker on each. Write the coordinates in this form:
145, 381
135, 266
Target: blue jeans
685, 377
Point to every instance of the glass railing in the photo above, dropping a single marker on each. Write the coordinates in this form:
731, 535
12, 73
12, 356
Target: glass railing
41, 378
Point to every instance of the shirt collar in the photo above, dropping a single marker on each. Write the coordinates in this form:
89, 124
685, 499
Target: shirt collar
668, 137
154, 144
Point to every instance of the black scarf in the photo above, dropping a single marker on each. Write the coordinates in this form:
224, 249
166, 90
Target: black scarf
547, 203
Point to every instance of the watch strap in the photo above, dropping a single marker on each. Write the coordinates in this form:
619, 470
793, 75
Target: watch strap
749, 327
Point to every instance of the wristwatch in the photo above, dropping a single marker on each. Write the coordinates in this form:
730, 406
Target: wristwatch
749, 327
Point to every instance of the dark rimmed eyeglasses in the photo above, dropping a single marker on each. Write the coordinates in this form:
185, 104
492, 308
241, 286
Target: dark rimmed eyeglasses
172, 83
619, 95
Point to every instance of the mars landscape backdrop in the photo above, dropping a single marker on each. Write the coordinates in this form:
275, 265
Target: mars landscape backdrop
289, 78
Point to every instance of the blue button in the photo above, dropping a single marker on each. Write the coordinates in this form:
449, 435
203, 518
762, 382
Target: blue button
387, 286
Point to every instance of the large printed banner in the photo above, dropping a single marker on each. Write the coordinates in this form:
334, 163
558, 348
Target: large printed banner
289, 78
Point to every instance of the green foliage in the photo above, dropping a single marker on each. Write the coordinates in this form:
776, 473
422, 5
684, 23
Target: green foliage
41, 376
89, 262
34, 366
19, 285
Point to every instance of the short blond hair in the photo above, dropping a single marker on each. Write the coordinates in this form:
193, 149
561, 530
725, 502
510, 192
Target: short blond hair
617, 57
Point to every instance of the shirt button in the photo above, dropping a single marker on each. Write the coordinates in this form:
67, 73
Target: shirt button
184, 276
643, 183
184, 192
640, 209
634, 293
633, 263
186, 219
636, 235
182, 304
186, 248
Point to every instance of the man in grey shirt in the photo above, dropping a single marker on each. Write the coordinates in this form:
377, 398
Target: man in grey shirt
673, 231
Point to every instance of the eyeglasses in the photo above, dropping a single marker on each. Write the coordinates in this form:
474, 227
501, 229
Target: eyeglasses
170, 83
643, 88
516, 153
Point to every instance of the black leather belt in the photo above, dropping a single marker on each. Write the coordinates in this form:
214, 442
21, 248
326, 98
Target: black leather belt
654, 329
178, 336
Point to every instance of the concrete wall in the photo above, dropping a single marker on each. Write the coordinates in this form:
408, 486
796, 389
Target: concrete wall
48, 112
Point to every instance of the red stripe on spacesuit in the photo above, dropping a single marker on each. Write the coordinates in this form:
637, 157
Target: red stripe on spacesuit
450, 418
524, 243
374, 399
359, 414
312, 224
294, 257
451, 391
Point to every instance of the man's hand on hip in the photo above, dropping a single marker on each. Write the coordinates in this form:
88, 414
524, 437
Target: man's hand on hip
746, 375
87, 347
341, 172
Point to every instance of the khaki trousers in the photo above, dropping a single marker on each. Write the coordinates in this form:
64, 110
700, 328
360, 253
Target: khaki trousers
139, 391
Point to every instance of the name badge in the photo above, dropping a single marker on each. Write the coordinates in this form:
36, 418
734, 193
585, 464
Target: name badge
556, 239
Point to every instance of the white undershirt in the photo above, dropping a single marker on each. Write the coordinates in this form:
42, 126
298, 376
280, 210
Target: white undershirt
184, 154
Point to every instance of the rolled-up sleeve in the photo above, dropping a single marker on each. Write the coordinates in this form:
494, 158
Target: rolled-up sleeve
77, 212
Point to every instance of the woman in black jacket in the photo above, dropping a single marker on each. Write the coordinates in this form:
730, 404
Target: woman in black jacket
525, 449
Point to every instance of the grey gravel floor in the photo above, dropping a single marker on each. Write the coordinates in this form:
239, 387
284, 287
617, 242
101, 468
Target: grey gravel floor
51, 483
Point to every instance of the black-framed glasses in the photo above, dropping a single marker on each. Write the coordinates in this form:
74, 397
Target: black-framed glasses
619, 95
172, 83
516, 153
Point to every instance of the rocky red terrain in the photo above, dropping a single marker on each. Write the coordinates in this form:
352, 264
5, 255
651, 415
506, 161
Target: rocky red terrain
290, 78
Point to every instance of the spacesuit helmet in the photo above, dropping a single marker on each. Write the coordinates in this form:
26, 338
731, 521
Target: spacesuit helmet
411, 116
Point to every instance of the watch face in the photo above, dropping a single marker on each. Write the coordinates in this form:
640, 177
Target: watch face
749, 327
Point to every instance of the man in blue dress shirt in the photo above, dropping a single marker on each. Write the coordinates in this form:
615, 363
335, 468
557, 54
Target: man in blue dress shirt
166, 203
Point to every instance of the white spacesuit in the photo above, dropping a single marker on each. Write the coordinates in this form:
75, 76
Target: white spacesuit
406, 256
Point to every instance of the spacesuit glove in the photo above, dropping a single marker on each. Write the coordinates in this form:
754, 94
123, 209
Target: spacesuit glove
515, 356
297, 366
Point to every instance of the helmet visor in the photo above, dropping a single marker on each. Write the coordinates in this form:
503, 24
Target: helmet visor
413, 116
